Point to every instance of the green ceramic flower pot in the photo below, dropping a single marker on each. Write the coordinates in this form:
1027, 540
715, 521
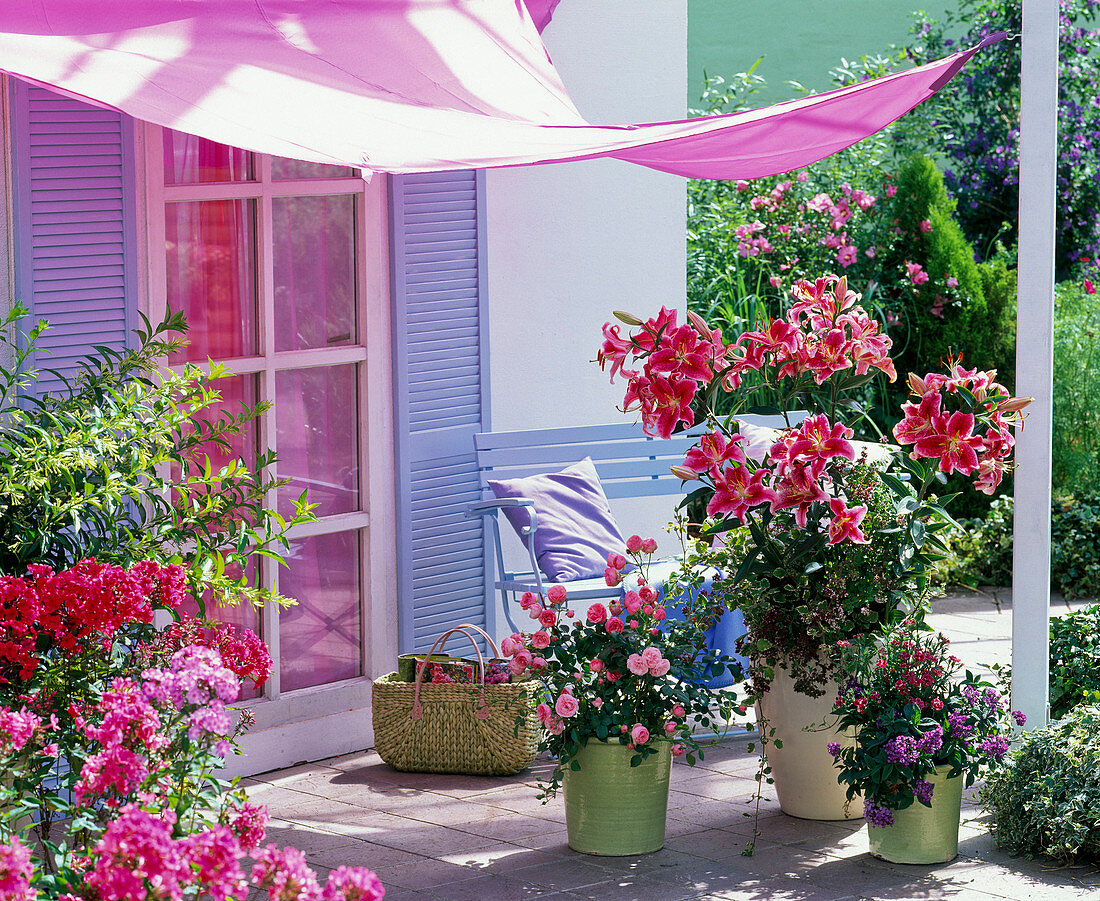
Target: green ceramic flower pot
923, 834
614, 809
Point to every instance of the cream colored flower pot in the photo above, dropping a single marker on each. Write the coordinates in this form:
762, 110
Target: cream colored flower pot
805, 778
923, 835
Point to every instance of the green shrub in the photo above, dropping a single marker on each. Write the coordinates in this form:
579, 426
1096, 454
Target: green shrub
981, 551
1076, 449
1074, 660
1046, 800
116, 466
1075, 546
964, 307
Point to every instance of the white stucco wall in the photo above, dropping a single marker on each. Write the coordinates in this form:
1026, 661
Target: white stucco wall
569, 243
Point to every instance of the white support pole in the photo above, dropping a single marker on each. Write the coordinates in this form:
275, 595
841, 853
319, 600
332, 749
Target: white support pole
1035, 360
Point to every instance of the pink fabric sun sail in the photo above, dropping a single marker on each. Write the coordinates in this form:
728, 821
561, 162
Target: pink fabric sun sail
404, 86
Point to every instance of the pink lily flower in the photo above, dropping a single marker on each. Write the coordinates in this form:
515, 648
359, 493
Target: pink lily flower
735, 492
845, 524
712, 451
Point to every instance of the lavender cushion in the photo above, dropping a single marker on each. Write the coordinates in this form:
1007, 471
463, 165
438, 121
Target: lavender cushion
576, 529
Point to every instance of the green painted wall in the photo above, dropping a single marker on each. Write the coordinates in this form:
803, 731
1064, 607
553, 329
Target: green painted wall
800, 40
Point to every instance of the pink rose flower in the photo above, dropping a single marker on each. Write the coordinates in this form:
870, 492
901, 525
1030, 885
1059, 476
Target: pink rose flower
616, 561
634, 544
647, 593
633, 624
649, 546
543, 711
548, 618
529, 600
677, 750
520, 662
540, 640
597, 703
597, 613
613, 675
511, 644
637, 665
639, 734
614, 624
678, 711
652, 656
596, 665
659, 613
612, 577
556, 594
670, 726
538, 663
632, 601
566, 705
661, 668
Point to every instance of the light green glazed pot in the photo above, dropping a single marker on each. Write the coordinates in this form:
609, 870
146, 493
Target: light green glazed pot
923, 834
612, 808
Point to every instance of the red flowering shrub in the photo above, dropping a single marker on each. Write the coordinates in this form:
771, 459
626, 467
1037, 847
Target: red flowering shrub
79, 609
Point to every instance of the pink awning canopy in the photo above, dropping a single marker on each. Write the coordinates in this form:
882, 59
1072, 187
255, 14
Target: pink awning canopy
404, 86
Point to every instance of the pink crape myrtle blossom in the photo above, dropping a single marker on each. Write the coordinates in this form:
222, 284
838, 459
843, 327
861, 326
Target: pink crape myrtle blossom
17, 727
284, 874
16, 870
353, 884
135, 851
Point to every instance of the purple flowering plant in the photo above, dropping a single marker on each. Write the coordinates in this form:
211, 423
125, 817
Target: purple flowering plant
913, 714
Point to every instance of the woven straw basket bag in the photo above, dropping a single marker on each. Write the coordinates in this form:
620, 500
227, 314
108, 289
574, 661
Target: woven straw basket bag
474, 729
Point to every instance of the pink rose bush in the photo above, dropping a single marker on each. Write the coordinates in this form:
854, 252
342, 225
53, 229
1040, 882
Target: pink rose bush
822, 538
622, 671
111, 733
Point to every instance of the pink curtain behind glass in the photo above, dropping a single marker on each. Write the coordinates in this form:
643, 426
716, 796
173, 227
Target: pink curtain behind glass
404, 86
210, 275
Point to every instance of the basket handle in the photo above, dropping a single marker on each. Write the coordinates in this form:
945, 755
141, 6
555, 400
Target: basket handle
483, 710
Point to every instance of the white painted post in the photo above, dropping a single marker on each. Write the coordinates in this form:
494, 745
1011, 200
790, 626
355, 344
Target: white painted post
1035, 360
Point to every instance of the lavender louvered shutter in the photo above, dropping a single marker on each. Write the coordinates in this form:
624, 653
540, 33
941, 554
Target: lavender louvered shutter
74, 224
441, 399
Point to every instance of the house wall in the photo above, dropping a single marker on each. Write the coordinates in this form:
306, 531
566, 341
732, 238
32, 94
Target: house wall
728, 36
569, 243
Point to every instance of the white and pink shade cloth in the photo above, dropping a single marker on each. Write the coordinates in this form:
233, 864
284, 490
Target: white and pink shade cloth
405, 86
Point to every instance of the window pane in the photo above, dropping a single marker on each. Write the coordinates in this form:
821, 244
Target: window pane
317, 437
211, 275
191, 160
314, 258
283, 169
319, 636
234, 391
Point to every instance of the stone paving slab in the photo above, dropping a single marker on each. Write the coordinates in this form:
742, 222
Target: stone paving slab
463, 838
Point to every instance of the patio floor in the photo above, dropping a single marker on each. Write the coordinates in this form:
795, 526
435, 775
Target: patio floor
459, 837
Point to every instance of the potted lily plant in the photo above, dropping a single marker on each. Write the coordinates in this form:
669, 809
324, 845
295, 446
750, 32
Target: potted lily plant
924, 735
622, 698
818, 538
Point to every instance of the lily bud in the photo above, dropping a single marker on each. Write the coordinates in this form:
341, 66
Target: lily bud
682, 472
1015, 404
700, 325
917, 385
627, 318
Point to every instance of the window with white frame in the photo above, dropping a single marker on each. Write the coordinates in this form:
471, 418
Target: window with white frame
273, 261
